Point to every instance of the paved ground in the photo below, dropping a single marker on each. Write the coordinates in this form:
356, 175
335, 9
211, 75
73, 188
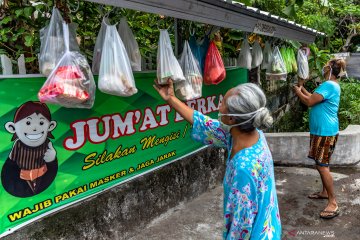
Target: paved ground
202, 217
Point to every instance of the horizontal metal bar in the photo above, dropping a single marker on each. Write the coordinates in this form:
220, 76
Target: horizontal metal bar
215, 12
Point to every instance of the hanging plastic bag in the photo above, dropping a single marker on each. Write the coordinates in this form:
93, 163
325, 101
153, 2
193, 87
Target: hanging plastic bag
191, 88
52, 45
199, 50
167, 64
115, 77
267, 57
278, 68
99, 46
131, 45
245, 58
195, 49
303, 65
71, 83
293, 61
256, 55
214, 71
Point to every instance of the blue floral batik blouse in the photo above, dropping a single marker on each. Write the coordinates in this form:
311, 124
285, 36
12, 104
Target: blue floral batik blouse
250, 202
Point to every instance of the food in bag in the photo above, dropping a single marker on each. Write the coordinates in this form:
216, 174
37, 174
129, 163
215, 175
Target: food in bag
167, 64
245, 58
52, 45
278, 68
99, 46
214, 71
116, 76
303, 65
71, 83
131, 45
256, 55
191, 88
267, 57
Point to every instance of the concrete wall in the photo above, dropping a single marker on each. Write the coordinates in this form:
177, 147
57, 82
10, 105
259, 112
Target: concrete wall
123, 211
292, 148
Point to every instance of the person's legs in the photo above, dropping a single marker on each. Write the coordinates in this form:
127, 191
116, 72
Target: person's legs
323, 193
327, 181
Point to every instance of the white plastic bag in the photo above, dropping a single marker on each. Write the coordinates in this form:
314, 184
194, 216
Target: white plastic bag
191, 88
71, 83
256, 55
245, 58
303, 65
131, 45
96, 60
52, 45
115, 77
167, 64
267, 57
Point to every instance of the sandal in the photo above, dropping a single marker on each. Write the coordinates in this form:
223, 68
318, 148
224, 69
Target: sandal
317, 196
331, 215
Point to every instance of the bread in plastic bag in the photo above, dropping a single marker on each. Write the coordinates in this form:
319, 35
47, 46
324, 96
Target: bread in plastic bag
167, 64
191, 88
130, 43
278, 68
245, 58
52, 45
267, 57
303, 65
214, 71
71, 83
96, 60
116, 76
256, 55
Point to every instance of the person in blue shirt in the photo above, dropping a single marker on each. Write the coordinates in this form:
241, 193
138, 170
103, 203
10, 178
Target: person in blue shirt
251, 208
324, 129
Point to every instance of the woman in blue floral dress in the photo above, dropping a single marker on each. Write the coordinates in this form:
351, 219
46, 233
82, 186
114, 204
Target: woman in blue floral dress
250, 202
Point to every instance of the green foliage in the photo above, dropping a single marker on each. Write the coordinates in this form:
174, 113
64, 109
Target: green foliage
349, 109
317, 60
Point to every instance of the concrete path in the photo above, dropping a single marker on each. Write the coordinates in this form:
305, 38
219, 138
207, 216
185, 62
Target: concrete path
202, 217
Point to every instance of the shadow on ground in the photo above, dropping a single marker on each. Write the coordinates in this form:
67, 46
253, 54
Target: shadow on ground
202, 217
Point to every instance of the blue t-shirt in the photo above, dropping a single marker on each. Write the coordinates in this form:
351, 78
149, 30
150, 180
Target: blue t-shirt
324, 115
251, 209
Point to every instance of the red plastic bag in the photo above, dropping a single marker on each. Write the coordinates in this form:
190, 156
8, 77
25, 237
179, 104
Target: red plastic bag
214, 71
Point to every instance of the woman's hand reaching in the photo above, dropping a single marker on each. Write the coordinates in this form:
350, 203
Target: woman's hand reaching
165, 91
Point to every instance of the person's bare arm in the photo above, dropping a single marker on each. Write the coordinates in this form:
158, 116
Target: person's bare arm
305, 92
308, 100
301, 83
167, 93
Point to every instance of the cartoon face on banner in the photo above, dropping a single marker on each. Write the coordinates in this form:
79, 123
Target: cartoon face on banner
32, 165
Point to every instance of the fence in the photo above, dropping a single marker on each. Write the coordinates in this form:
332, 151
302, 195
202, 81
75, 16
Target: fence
15, 67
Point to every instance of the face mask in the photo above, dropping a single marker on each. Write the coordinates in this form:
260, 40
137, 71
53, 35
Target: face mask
227, 128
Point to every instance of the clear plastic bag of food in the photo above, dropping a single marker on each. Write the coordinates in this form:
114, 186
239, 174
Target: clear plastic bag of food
278, 68
167, 64
131, 45
96, 60
52, 45
214, 71
191, 88
303, 65
267, 57
256, 55
245, 58
116, 76
71, 83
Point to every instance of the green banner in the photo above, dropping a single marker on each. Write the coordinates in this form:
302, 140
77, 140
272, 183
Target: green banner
84, 151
